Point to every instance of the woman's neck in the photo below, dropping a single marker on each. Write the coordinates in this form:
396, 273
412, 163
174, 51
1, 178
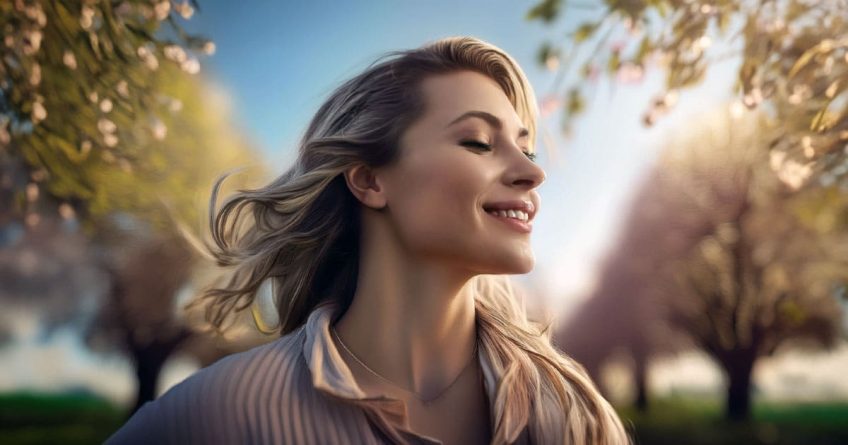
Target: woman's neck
412, 323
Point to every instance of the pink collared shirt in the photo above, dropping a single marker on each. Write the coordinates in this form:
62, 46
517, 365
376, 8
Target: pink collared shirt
294, 390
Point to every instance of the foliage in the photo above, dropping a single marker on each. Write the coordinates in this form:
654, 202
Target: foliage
82, 97
793, 62
105, 122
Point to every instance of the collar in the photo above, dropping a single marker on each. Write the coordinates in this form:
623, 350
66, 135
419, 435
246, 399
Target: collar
331, 375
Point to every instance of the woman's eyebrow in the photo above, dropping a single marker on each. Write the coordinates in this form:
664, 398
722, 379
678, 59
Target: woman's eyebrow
490, 118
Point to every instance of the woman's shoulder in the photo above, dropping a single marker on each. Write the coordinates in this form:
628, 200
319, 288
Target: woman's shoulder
243, 370
223, 401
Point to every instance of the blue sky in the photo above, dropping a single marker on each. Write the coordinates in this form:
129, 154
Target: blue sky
280, 59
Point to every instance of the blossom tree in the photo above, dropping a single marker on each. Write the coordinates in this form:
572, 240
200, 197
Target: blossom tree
718, 249
110, 141
792, 61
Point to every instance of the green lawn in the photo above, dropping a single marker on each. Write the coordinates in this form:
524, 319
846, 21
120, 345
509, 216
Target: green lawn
84, 419
678, 420
53, 419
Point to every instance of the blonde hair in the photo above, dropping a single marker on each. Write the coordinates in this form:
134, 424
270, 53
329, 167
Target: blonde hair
303, 235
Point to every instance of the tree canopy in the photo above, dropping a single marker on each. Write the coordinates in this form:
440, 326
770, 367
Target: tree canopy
792, 54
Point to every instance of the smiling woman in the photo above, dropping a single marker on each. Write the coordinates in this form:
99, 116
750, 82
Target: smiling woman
388, 245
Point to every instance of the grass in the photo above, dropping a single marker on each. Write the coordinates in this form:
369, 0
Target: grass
27, 418
696, 421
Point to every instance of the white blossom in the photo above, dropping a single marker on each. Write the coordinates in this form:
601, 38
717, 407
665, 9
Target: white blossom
807, 145
106, 105
123, 89
86, 17
39, 113
209, 48
32, 192
184, 9
162, 10
106, 126
66, 211
159, 129
32, 42
110, 140
69, 60
630, 73
36, 14
85, 148
147, 56
191, 66
703, 42
552, 62
175, 53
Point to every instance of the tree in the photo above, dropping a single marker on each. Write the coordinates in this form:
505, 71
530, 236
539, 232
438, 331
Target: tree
76, 97
719, 249
770, 271
150, 261
123, 146
793, 58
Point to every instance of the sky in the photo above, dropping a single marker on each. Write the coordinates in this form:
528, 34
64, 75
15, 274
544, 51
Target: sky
277, 60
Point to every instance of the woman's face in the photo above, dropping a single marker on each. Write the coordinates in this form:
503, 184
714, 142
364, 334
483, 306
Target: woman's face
439, 191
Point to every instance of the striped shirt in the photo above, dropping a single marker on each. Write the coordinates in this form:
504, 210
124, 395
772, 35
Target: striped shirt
296, 389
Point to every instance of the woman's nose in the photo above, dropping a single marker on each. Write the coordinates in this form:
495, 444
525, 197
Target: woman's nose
525, 172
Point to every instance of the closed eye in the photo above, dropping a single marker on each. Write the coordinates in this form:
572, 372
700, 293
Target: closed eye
484, 146
477, 144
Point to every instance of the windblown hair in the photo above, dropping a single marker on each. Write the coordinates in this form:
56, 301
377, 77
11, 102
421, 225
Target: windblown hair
302, 234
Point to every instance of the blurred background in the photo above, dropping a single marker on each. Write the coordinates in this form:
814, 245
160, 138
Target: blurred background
692, 243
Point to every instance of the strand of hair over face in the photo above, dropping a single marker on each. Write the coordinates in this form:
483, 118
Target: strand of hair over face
301, 232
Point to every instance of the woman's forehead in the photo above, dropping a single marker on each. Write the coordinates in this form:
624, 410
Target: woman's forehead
463, 96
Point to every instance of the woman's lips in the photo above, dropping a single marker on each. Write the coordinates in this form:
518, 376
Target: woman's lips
515, 224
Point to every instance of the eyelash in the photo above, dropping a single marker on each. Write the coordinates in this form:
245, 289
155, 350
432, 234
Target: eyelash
478, 144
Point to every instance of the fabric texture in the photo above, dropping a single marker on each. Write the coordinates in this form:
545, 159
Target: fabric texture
294, 390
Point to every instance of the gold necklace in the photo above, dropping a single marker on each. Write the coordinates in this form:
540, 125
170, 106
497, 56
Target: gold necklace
414, 393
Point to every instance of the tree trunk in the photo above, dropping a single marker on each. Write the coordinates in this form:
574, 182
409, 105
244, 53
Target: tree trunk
640, 378
149, 361
147, 372
738, 407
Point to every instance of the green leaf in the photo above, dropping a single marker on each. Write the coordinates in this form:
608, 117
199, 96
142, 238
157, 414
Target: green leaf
614, 62
645, 48
575, 103
546, 11
545, 52
585, 31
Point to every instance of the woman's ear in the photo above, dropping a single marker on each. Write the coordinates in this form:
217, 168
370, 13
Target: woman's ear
362, 182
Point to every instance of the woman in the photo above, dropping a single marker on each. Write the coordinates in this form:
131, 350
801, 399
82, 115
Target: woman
386, 245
